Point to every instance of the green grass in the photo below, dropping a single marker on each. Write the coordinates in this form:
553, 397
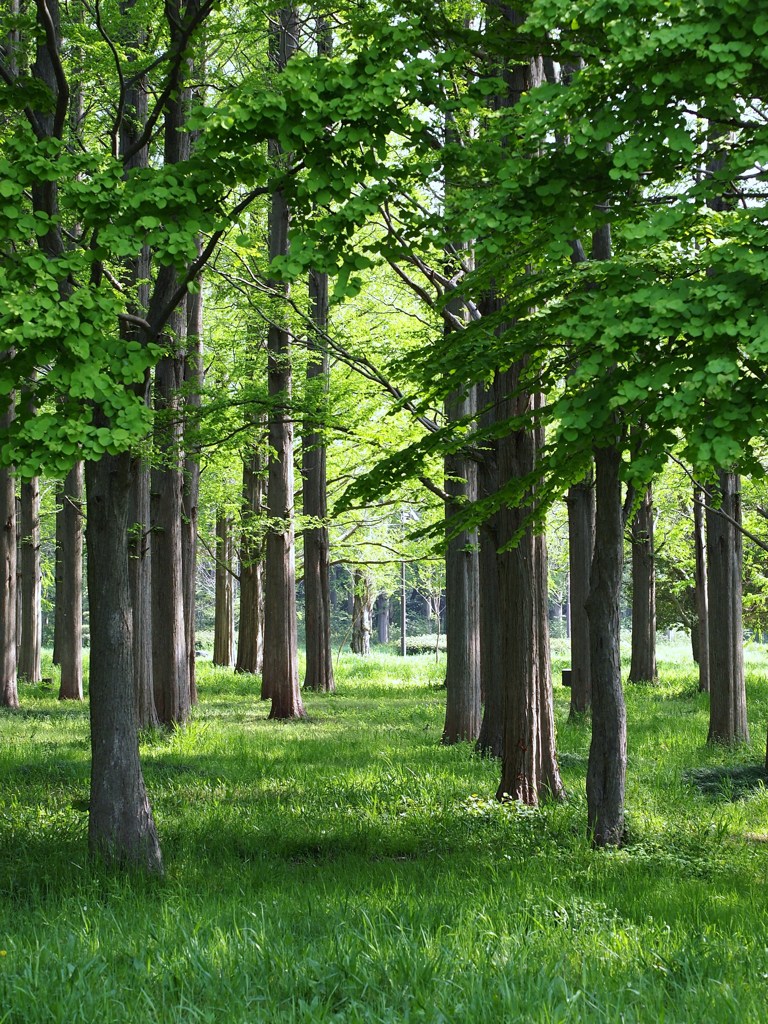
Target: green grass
349, 868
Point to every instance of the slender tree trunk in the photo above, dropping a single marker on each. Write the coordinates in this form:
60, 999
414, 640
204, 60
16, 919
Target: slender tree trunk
462, 593
250, 637
606, 771
403, 613
281, 669
581, 544
643, 663
69, 585
121, 827
170, 670
490, 742
224, 618
31, 624
193, 381
529, 764
382, 618
728, 701
9, 694
701, 588
140, 579
317, 590
361, 613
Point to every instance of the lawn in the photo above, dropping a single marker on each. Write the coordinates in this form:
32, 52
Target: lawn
349, 868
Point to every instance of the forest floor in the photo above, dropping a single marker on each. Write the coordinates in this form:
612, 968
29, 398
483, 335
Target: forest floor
349, 868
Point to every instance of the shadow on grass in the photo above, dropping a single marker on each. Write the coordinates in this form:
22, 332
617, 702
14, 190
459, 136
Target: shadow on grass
730, 783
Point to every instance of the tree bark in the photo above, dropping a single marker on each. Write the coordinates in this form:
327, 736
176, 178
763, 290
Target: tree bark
170, 670
728, 701
190, 496
140, 580
9, 694
382, 618
31, 623
250, 637
529, 763
361, 613
69, 584
462, 592
317, 590
607, 766
224, 617
701, 596
643, 661
121, 827
581, 544
281, 669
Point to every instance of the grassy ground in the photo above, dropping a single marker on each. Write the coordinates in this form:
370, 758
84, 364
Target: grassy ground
350, 869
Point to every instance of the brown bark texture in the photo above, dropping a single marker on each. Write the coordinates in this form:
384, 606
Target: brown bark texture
250, 636
529, 764
643, 660
224, 611
727, 694
607, 765
9, 693
362, 603
30, 626
382, 618
121, 828
317, 587
140, 580
462, 591
280, 680
69, 584
190, 496
581, 544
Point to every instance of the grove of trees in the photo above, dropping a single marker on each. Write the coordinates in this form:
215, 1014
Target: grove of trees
368, 286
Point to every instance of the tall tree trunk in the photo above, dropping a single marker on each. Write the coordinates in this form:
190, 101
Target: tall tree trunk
701, 590
121, 828
317, 590
382, 618
31, 624
193, 381
140, 579
281, 664
9, 694
462, 592
361, 613
224, 617
69, 585
581, 544
529, 763
643, 663
250, 637
170, 670
403, 612
728, 701
607, 767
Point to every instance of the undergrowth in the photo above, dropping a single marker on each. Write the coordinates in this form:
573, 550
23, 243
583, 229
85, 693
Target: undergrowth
349, 868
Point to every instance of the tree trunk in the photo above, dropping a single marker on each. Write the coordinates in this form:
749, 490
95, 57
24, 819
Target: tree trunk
403, 613
490, 742
31, 624
224, 618
250, 637
643, 662
606, 771
170, 670
382, 618
701, 653
529, 764
121, 828
281, 663
361, 614
728, 701
581, 544
140, 579
9, 694
69, 584
317, 591
193, 381
462, 592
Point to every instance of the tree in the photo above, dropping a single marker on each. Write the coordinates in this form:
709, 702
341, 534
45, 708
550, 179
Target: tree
643, 663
